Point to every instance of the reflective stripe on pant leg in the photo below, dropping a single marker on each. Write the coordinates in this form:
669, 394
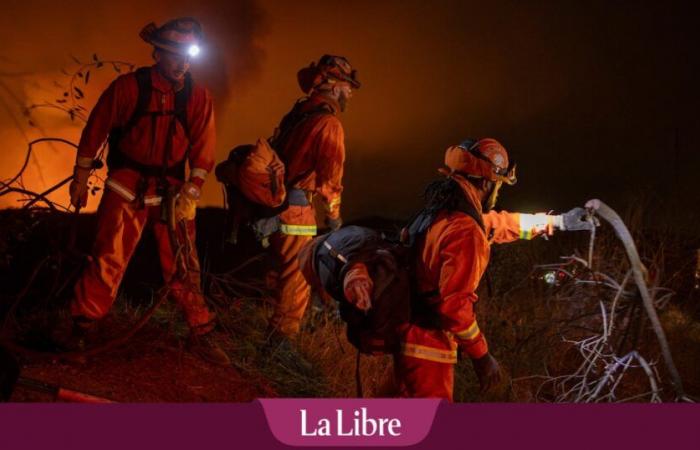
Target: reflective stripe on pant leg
429, 353
298, 230
186, 292
119, 228
422, 378
293, 290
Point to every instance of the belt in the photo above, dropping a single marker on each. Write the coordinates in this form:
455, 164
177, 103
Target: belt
298, 197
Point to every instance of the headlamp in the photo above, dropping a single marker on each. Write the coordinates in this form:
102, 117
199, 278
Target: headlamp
193, 50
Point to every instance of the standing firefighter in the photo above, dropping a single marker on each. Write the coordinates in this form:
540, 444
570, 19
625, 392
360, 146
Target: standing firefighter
310, 140
157, 121
451, 238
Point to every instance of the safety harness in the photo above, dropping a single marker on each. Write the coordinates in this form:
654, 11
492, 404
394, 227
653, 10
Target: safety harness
118, 159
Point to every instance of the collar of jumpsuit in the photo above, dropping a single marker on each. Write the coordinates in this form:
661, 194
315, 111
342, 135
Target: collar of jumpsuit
318, 98
469, 191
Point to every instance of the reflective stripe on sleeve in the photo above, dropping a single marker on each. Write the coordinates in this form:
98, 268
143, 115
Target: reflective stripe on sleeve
298, 230
525, 234
199, 173
470, 333
429, 353
84, 161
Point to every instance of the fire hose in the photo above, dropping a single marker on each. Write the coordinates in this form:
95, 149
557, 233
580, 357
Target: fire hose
596, 206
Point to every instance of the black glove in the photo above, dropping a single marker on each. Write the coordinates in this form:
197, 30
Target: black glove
576, 220
334, 224
487, 371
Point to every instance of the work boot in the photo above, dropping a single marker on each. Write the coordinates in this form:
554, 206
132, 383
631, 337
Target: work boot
204, 346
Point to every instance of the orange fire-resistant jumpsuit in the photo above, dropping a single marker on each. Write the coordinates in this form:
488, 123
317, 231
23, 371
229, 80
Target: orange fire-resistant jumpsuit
452, 257
121, 220
315, 154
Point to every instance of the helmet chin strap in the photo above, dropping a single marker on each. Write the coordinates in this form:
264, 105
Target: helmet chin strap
490, 200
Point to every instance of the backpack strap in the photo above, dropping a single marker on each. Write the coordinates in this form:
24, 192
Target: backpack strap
145, 90
422, 220
179, 114
290, 122
468, 208
117, 159
182, 97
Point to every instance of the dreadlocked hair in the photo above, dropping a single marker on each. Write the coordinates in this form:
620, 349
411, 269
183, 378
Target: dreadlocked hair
441, 195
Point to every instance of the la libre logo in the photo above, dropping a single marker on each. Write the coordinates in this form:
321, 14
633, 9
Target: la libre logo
358, 424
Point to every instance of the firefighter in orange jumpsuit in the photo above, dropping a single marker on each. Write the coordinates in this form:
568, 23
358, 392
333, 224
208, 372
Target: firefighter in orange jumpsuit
157, 120
311, 142
452, 236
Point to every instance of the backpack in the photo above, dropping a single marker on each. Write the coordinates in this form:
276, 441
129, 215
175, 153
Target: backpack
376, 331
254, 179
117, 159
257, 172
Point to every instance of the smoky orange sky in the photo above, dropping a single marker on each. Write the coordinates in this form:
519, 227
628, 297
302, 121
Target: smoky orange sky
593, 99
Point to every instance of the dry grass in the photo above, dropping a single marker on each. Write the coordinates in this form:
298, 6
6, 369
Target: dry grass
524, 319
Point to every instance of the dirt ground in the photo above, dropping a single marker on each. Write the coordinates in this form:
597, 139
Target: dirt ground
151, 367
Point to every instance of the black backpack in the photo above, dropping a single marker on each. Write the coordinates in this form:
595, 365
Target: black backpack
117, 159
376, 331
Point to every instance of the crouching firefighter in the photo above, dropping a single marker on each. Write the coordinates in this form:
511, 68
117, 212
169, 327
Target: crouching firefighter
367, 275
157, 120
450, 244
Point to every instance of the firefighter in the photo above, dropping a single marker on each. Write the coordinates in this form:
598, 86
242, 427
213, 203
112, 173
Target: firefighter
310, 140
452, 238
157, 121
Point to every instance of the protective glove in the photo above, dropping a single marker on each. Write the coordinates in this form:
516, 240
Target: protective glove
540, 224
334, 224
358, 287
186, 202
79, 186
575, 220
487, 371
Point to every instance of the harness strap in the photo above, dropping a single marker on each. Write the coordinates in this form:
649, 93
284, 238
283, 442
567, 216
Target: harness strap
117, 158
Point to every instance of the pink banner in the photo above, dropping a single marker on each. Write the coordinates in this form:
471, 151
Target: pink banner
350, 422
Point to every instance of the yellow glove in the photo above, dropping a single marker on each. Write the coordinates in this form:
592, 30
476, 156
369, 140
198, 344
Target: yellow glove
186, 202
79, 186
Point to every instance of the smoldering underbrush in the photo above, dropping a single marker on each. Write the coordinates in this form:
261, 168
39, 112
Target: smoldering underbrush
565, 322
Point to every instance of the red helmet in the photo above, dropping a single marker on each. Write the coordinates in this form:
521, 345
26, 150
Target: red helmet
182, 36
327, 71
485, 158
